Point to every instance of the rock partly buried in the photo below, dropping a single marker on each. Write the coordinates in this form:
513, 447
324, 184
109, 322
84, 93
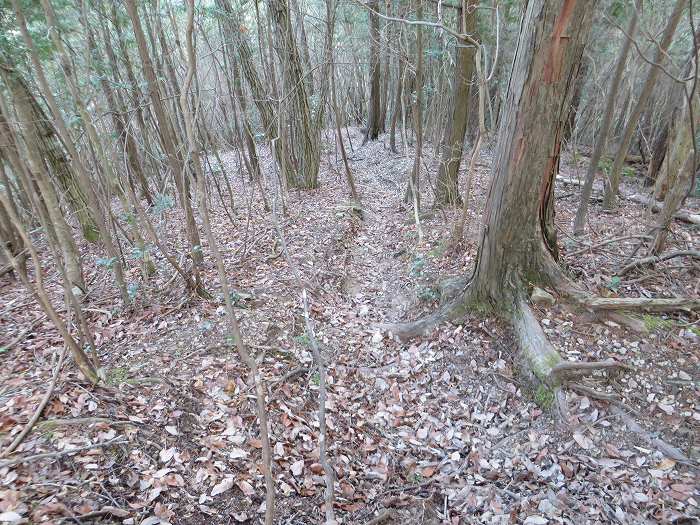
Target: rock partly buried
542, 297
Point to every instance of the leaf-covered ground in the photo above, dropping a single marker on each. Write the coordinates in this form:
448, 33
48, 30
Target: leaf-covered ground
436, 431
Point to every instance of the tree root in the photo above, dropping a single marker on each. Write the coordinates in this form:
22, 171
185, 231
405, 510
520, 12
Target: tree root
537, 360
658, 443
595, 394
566, 371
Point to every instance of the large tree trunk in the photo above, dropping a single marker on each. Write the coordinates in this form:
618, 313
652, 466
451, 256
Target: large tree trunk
676, 137
516, 247
413, 188
446, 190
386, 68
682, 161
373, 120
613, 181
302, 135
400, 73
50, 147
602, 135
46, 201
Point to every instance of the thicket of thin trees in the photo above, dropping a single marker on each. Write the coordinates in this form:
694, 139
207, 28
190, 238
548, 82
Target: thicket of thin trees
112, 113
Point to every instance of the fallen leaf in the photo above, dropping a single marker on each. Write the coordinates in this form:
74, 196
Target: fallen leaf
297, 467
246, 488
167, 454
237, 453
583, 441
9, 517
221, 487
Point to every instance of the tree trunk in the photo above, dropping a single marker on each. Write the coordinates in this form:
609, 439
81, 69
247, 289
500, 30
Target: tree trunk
446, 186
386, 71
302, 137
602, 135
681, 161
413, 188
401, 70
55, 218
50, 148
613, 182
373, 120
260, 96
515, 247
168, 141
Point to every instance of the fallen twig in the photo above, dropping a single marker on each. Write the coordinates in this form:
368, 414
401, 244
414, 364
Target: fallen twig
666, 449
60, 453
24, 332
652, 260
607, 241
37, 413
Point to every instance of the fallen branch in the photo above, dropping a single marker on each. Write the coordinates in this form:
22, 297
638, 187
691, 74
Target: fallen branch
640, 303
656, 207
39, 409
24, 332
646, 261
608, 241
595, 394
106, 511
60, 453
76, 421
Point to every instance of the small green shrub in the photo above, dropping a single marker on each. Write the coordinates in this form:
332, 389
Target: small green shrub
544, 397
654, 323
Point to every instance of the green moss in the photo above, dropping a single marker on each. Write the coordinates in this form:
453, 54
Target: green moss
544, 397
117, 375
654, 323
428, 294
552, 360
303, 339
91, 233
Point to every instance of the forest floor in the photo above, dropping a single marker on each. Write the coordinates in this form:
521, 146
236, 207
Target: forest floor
438, 430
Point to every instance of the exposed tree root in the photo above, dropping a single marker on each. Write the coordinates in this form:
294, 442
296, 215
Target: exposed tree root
633, 323
540, 365
537, 359
595, 394
658, 443
567, 371
653, 260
